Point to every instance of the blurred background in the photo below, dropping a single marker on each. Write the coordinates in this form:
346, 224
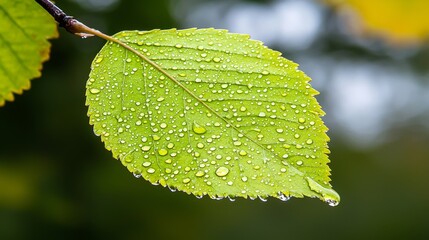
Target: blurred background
369, 60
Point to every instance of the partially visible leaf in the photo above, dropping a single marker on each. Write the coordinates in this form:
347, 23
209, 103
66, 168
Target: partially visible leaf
399, 21
25, 28
211, 113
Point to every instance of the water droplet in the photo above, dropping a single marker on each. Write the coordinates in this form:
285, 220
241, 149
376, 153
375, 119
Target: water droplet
309, 141
146, 148
279, 130
262, 114
216, 59
128, 60
285, 155
243, 153
199, 174
162, 152
94, 91
151, 170
299, 163
301, 120
244, 179
137, 175
200, 145
198, 129
231, 199
283, 197
186, 180
222, 171
146, 164
283, 170
332, 203
262, 199
179, 46
216, 198
265, 72
99, 59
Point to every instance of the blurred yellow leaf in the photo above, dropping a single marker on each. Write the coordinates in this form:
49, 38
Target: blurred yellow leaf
400, 21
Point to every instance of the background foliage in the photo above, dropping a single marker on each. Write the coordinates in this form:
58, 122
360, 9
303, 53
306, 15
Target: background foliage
58, 181
24, 45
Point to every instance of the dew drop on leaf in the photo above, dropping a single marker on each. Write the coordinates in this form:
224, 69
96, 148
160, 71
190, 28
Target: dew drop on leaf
94, 90
198, 129
222, 171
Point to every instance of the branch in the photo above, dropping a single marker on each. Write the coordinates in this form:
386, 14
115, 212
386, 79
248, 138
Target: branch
74, 26
68, 22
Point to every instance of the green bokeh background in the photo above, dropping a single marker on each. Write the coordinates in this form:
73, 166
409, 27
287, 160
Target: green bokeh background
58, 182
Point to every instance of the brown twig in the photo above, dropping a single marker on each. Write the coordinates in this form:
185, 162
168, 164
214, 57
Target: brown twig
68, 22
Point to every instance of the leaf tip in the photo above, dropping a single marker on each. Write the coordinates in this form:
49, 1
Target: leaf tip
327, 195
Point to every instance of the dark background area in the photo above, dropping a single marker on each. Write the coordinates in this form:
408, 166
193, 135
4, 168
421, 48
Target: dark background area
58, 182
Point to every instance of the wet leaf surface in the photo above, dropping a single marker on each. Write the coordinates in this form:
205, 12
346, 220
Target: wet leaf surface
211, 113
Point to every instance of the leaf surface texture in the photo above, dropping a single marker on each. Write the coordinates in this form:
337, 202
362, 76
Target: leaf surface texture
210, 113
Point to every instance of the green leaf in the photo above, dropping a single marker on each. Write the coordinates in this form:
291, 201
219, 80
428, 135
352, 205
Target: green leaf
25, 28
212, 113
